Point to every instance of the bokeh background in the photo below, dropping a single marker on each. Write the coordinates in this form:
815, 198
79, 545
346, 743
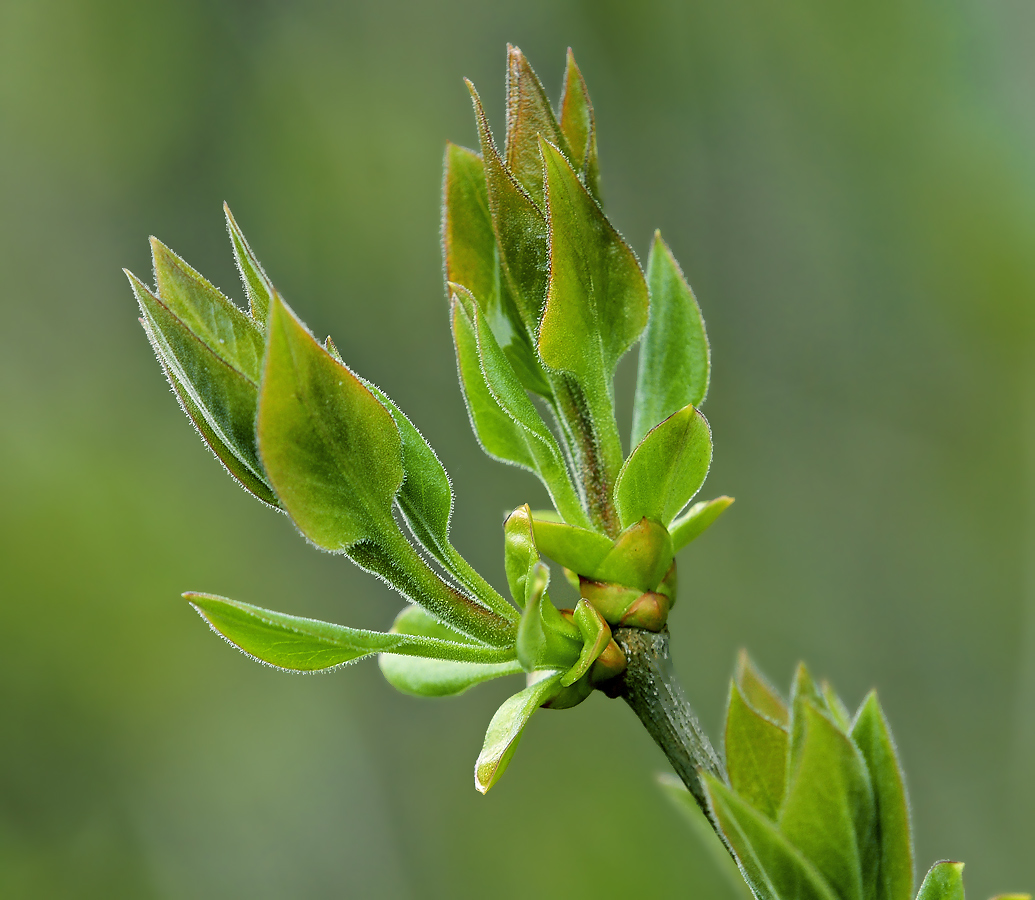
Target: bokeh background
851, 190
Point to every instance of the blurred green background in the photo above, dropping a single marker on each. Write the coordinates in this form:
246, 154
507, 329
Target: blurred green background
851, 191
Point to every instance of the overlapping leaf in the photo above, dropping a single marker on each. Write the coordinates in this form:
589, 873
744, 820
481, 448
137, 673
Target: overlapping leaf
579, 126
756, 755
674, 355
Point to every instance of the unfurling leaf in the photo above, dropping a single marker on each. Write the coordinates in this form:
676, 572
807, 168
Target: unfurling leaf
217, 384
693, 523
758, 692
520, 228
596, 301
473, 260
665, 470
871, 735
505, 420
596, 635
674, 355
828, 812
579, 126
504, 732
436, 677
546, 640
257, 285
756, 755
773, 867
529, 115
578, 549
944, 881
307, 645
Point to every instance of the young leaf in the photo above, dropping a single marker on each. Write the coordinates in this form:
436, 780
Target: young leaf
828, 811
219, 399
473, 260
435, 677
426, 501
579, 126
307, 645
546, 640
696, 519
578, 549
943, 882
520, 227
640, 558
504, 732
771, 865
674, 355
227, 331
756, 755
257, 285
520, 553
596, 635
758, 692
665, 470
871, 735
332, 452
596, 301
528, 116
506, 422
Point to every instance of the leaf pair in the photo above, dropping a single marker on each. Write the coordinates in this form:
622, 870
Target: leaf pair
301, 431
816, 805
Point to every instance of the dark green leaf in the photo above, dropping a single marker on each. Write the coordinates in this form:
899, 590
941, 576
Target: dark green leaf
597, 301
684, 801
528, 116
436, 677
220, 399
426, 501
696, 520
665, 470
758, 692
674, 354
505, 420
943, 882
873, 738
520, 227
257, 285
579, 126
772, 866
828, 811
505, 729
227, 331
756, 755
472, 260
307, 645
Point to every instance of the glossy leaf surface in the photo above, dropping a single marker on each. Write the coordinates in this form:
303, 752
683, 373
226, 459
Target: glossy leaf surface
674, 356
696, 520
873, 738
308, 645
436, 677
773, 867
665, 470
756, 755
505, 729
944, 881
